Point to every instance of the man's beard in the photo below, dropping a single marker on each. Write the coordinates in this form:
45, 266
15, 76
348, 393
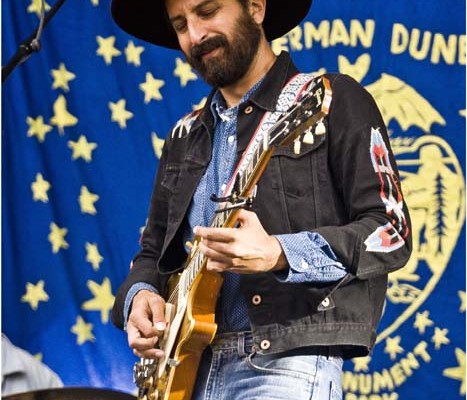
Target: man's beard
236, 57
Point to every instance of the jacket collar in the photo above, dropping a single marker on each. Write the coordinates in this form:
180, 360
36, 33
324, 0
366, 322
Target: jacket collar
267, 94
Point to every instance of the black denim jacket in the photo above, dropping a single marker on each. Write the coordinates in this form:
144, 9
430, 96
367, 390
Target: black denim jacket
333, 186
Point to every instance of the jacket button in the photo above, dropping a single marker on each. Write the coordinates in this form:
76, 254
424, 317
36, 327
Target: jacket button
256, 299
325, 302
265, 344
248, 110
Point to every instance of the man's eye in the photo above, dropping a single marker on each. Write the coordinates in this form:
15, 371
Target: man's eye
209, 12
179, 27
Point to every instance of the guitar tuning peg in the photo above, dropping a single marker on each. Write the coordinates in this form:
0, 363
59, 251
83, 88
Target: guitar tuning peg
308, 138
320, 128
296, 145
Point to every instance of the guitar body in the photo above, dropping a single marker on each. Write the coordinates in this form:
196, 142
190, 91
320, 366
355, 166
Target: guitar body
196, 332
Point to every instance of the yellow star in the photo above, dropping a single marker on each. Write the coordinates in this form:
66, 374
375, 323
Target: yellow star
61, 77
83, 331
36, 6
82, 148
184, 72
95, 2
38, 128
361, 364
57, 238
35, 294
103, 299
106, 48
119, 113
440, 338
93, 256
87, 200
458, 373
151, 88
62, 118
157, 144
133, 53
422, 321
39, 189
461, 295
393, 347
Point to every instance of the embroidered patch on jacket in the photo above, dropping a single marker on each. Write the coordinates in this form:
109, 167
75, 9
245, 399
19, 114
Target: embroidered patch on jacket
183, 125
390, 236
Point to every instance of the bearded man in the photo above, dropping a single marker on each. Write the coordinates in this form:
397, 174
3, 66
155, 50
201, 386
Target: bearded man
305, 263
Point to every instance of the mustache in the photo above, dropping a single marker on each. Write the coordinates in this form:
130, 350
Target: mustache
207, 46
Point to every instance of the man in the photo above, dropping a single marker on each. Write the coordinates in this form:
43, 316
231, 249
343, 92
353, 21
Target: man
305, 270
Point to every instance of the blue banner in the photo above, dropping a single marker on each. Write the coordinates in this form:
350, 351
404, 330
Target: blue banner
83, 123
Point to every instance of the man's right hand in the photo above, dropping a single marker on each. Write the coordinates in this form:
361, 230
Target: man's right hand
146, 324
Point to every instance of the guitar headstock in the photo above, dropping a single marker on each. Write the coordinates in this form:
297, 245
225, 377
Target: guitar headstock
305, 115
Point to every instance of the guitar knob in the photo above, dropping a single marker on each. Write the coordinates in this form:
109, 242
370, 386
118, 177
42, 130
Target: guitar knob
320, 128
308, 138
297, 145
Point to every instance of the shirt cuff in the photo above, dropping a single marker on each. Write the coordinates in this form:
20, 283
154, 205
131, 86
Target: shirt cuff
131, 294
310, 259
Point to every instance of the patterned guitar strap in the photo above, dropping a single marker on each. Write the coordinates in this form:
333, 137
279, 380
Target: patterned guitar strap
290, 94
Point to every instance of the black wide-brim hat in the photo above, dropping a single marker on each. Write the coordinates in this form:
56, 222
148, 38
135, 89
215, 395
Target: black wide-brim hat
147, 19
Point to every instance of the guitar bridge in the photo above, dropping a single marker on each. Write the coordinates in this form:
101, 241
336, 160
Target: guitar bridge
142, 370
144, 377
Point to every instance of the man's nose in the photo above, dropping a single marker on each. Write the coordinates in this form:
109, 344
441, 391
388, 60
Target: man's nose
197, 31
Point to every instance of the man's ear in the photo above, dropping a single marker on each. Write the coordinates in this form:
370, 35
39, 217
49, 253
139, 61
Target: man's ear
258, 10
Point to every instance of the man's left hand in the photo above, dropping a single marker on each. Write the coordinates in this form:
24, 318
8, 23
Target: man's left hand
247, 249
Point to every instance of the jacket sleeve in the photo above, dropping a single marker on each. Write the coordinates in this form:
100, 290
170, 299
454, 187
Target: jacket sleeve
377, 238
144, 265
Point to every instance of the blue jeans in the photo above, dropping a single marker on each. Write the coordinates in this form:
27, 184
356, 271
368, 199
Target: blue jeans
231, 369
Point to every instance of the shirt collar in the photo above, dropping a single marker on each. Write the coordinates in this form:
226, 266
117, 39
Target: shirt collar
219, 106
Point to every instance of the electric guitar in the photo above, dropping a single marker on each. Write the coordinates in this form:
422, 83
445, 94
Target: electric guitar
190, 308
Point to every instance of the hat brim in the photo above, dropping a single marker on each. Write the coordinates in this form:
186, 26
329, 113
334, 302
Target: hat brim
147, 19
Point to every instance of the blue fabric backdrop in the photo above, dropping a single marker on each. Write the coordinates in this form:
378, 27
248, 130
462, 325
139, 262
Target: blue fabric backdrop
83, 122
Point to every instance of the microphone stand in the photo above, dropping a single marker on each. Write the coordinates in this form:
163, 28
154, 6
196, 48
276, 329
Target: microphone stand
31, 44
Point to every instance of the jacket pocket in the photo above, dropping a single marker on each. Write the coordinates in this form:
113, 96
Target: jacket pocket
295, 167
288, 187
171, 176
